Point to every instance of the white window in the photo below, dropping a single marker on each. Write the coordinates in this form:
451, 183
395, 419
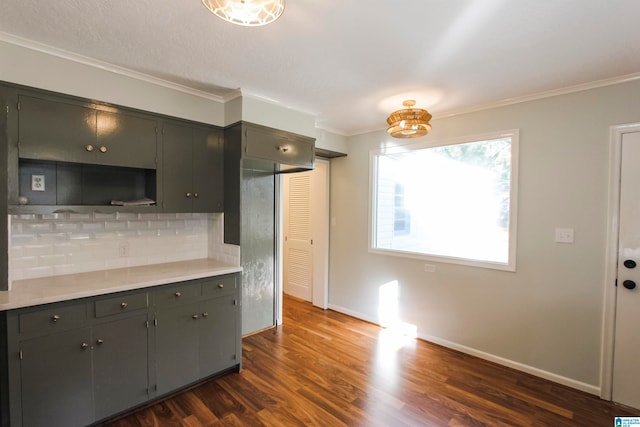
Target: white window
451, 202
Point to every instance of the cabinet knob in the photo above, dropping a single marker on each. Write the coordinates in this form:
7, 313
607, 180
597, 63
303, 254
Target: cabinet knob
103, 149
124, 305
84, 346
99, 342
284, 149
89, 147
205, 314
55, 317
221, 285
178, 294
188, 195
195, 316
195, 195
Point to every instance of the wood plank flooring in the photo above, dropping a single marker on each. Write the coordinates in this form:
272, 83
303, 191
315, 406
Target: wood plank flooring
322, 368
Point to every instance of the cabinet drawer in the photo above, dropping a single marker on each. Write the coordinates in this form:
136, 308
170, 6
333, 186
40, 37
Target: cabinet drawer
121, 304
53, 318
219, 286
177, 294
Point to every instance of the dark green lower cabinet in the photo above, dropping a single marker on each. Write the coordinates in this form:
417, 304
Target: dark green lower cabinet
56, 380
176, 347
195, 341
120, 365
217, 335
77, 362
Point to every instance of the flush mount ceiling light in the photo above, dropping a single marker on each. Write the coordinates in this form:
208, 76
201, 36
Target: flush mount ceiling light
409, 122
250, 13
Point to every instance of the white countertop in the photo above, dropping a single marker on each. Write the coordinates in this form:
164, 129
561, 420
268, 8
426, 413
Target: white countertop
25, 293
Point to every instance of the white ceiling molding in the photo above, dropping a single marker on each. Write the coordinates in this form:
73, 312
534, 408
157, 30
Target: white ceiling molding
84, 60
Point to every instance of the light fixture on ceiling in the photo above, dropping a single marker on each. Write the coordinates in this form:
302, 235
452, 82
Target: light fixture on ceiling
250, 13
409, 122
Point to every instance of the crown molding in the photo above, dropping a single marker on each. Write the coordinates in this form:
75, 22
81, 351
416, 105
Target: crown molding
95, 63
540, 95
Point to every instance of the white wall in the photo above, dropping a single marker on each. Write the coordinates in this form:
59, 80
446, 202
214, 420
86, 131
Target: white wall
546, 317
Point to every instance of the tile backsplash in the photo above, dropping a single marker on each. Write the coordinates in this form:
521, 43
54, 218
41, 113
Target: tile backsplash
66, 243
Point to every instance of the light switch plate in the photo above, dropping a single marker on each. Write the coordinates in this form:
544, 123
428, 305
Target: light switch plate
564, 235
37, 183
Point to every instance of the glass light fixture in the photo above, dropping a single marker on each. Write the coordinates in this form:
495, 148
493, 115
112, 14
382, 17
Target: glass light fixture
249, 13
409, 122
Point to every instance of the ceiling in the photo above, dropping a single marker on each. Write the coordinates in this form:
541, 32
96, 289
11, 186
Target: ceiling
351, 62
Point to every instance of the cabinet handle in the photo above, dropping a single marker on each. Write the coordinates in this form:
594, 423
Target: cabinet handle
84, 346
89, 148
178, 294
188, 195
195, 195
99, 342
103, 149
123, 305
205, 314
221, 285
55, 317
195, 317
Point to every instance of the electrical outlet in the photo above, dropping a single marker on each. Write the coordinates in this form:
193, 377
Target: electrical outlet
564, 235
430, 268
123, 249
37, 183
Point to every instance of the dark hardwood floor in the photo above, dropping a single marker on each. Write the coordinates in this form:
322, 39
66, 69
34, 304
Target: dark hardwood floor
322, 368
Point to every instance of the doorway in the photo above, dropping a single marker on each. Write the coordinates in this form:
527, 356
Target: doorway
305, 239
621, 342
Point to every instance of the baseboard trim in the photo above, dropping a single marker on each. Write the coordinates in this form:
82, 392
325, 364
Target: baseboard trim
569, 382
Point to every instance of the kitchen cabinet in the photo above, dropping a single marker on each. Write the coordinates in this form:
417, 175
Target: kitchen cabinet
66, 131
76, 362
76, 366
192, 167
120, 358
261, 150
56, 379
197, 326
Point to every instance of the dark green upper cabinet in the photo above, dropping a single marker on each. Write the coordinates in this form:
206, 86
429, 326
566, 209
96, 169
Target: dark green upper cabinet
192, 167
57, 131
66, 131
128, 140
282, 147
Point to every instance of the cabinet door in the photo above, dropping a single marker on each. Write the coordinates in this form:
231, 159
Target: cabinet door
279, 146
125, 140
50, 130
207, 170
176, 347
177, 171
120, 365
218, 334
56, 380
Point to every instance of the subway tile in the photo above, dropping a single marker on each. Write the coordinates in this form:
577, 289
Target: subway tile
52, 216
126, 215
66, 226
92, 226
80, 217
51, 260
36, 227
104, 216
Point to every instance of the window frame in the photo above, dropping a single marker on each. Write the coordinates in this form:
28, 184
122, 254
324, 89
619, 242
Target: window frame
392, 147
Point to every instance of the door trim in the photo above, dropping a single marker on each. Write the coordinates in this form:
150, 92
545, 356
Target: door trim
611, 257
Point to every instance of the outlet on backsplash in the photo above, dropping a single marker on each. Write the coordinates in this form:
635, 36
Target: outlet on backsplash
123, 249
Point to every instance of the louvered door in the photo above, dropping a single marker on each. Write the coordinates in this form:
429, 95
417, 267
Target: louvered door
298, 245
